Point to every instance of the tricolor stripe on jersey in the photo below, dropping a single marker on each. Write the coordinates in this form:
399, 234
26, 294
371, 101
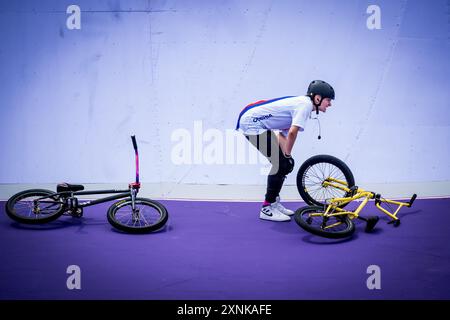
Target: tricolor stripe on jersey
257, 104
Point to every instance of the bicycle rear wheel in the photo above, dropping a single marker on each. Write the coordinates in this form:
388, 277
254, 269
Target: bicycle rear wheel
34, 206
312, 220
148, 216
314, 171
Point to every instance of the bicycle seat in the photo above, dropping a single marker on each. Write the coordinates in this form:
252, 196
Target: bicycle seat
64, 187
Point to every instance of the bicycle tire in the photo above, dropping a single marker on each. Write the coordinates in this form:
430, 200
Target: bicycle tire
301, 219
12, 208
137, 226
314, 171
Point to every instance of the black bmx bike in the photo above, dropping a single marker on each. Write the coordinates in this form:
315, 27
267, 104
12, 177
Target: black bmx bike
130, 214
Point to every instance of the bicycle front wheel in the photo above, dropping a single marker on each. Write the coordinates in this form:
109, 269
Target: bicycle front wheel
312, 219
314, 171
148, 215
34, 206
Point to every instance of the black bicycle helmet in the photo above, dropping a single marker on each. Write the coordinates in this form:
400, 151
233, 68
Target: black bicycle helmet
322, 88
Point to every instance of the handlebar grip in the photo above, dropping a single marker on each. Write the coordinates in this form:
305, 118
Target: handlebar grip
133, 138
412, 199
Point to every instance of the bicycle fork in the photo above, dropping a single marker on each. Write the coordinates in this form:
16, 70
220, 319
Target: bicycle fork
135, 210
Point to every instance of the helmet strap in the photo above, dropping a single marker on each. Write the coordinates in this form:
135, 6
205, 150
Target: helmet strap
317, 105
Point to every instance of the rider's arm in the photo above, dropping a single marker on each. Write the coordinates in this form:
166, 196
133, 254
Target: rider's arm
287, 143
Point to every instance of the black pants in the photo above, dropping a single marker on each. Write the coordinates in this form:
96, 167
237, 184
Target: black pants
267, 143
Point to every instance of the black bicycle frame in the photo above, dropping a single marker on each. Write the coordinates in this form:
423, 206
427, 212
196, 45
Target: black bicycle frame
120, 194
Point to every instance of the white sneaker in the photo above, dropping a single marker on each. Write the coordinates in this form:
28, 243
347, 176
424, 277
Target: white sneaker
271, 213
282, 209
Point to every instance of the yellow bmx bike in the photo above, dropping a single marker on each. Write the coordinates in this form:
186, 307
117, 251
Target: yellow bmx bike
327, 185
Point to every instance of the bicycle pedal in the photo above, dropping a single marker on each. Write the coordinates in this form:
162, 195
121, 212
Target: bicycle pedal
78, 213
371, 223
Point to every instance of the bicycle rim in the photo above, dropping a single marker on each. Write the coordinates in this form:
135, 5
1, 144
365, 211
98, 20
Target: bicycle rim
313, 179
31, 208
147, 216
312, 219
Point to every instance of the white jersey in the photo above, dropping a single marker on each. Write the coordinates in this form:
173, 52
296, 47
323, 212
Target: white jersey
276, 114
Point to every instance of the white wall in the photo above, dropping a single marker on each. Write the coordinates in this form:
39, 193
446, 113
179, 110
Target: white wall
70, 99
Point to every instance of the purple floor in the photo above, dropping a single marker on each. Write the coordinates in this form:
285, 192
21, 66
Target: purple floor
221, 250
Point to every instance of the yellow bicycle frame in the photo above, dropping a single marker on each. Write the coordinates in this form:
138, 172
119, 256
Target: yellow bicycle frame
333, 208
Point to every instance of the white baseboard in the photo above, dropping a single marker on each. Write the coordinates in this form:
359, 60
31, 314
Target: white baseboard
435, 189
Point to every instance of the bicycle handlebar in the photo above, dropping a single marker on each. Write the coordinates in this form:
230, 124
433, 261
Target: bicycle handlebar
133, 138
412, 200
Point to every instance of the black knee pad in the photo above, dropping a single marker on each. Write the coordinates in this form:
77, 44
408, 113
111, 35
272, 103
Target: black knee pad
286, 165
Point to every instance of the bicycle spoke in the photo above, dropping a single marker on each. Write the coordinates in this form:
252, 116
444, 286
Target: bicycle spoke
34, 206
124, 215
143, 218
314, 177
